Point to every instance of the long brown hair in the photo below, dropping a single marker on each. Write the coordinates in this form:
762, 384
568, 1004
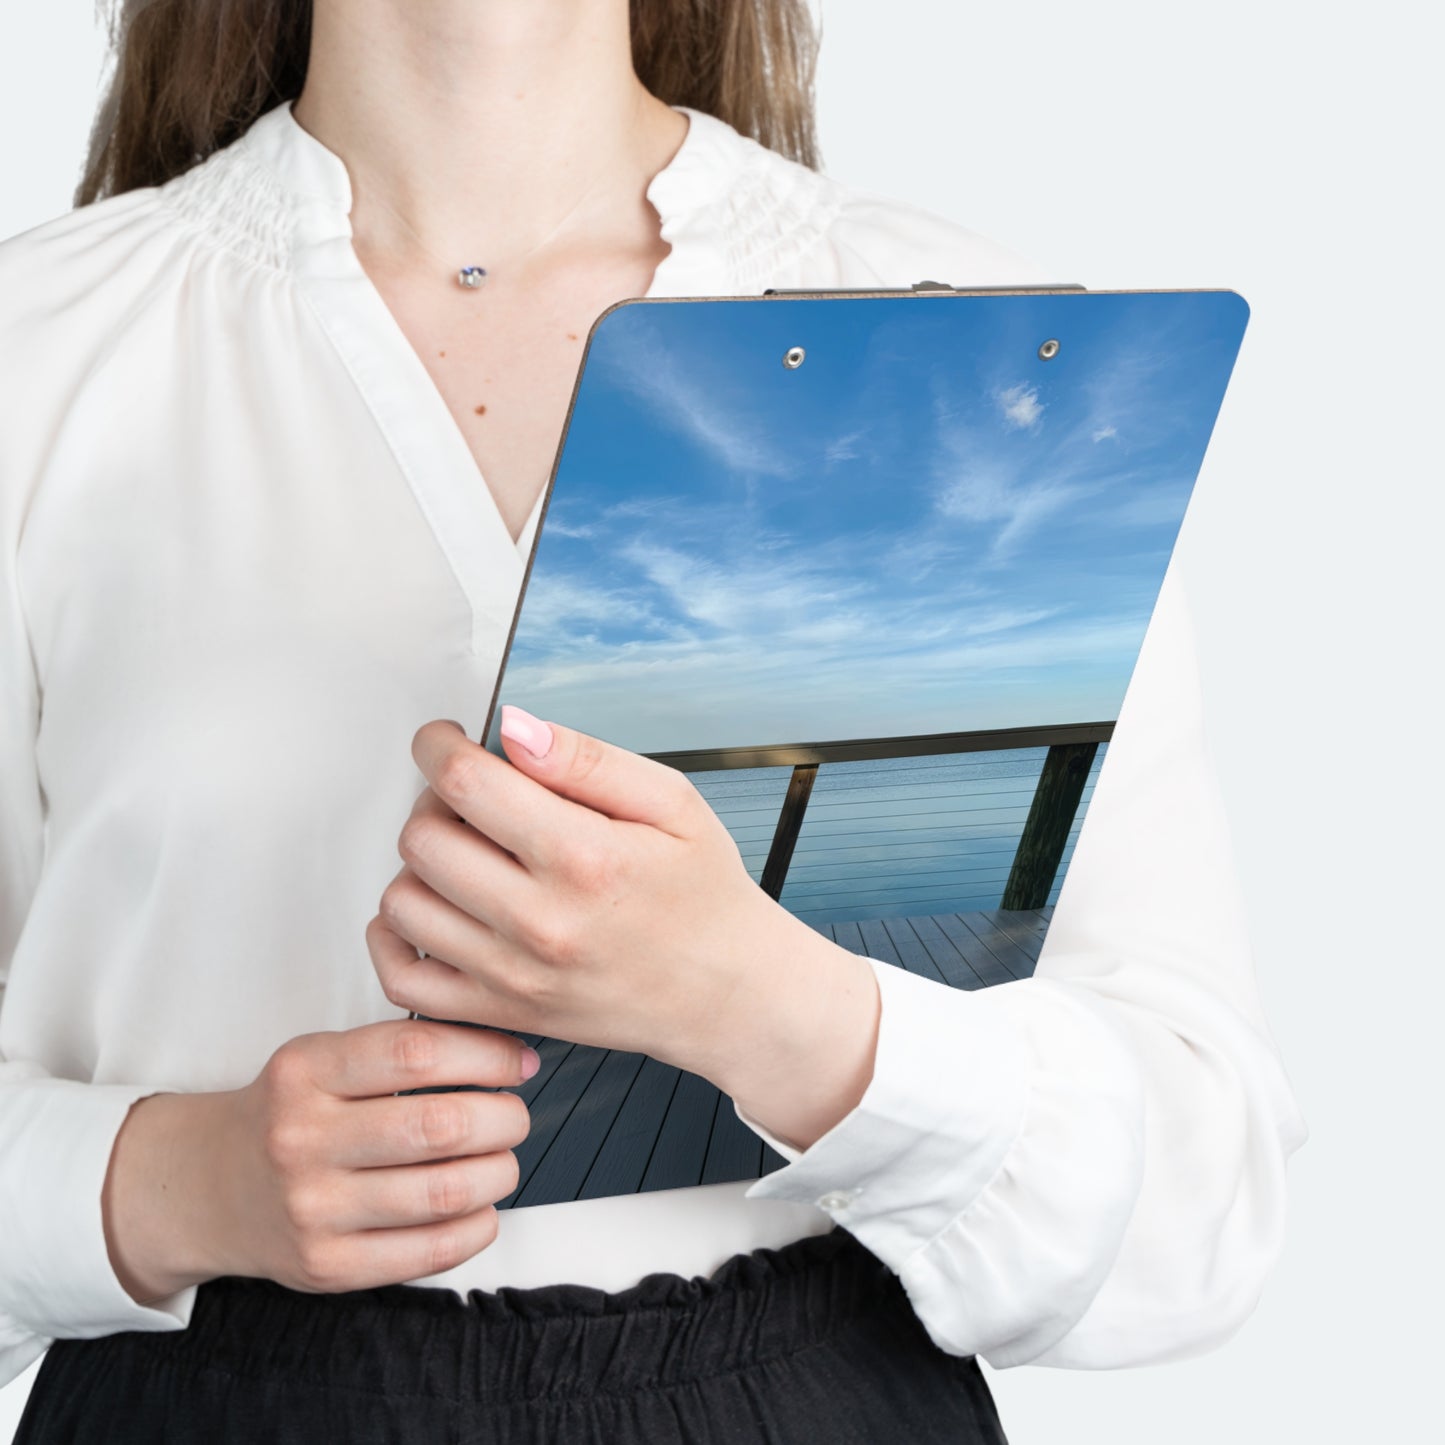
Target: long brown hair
191, 75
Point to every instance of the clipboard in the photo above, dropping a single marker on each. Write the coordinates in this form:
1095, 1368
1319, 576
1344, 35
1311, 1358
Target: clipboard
873, 568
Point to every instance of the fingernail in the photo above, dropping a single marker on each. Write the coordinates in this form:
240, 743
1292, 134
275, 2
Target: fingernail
531, 1061
522, 727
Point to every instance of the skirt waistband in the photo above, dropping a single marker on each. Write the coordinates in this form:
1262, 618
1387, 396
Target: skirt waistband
514, 1344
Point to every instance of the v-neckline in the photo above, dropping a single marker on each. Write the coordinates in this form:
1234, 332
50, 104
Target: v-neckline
423, 435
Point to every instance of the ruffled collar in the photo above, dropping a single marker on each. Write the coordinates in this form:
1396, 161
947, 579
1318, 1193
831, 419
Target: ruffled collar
728, 206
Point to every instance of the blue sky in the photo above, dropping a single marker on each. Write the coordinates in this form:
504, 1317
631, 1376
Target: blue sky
924, 528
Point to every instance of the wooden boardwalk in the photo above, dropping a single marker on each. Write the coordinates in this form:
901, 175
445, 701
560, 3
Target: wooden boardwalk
605, 1122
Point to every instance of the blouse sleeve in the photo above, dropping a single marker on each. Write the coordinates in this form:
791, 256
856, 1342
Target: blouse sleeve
56, 1133
1085, 1168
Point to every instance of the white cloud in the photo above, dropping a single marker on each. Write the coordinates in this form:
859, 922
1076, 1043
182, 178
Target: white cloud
1020, 405
561, 604
1031, 508
1007, 618
741, 596
704, 407
843, 448
637, 507
979, 488
1103, 433
1155, 506
754, 688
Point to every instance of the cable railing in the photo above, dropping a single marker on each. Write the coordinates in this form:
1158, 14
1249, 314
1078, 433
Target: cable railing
864, 828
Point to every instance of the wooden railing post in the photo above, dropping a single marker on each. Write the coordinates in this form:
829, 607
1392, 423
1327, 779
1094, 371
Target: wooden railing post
1046, 830
790, 823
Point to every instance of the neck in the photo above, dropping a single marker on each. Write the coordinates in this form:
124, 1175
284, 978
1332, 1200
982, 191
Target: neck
472, 128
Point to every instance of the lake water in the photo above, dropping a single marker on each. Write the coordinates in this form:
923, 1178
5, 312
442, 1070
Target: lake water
896, 836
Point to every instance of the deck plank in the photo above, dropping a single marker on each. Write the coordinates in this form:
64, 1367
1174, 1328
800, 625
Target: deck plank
681, 1149
621, 1162
910, 949
563, 1167
733, 1150
947, 959
550, 1107
1019, 926
606, 1122
980, 958
876, 942
1000, 940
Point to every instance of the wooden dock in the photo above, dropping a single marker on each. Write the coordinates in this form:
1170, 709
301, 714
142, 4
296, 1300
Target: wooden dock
606, 1122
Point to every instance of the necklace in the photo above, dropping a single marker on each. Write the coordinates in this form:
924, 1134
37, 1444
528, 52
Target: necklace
471, 278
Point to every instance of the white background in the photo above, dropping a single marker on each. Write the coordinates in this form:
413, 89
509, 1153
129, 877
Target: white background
1290, 152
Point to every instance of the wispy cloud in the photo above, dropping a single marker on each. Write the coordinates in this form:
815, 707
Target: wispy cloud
1007, 619
731, 690
706, 408
979, 482
993, 563
1153, 507
843, 448
558, 606
735, 593
1019, 405
558, 528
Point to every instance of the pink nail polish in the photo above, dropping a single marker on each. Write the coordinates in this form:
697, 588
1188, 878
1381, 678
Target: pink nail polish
531, 1062
522, 727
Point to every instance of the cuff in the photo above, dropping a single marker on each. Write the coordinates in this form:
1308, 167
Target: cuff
57, 1280
947, 1099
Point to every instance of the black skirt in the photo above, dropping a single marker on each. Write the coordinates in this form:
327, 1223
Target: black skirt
815, 1341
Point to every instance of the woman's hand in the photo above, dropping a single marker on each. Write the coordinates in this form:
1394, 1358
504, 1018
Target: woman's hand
599, 899
584, 892
314, 1175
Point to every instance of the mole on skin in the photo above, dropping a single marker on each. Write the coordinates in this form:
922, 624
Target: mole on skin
479, 408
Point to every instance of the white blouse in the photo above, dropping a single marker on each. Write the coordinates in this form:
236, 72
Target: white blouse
245, 552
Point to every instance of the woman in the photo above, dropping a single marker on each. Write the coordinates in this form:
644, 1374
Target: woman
268, 479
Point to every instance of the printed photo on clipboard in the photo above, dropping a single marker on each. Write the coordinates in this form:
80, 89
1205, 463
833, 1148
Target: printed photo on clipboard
873, 569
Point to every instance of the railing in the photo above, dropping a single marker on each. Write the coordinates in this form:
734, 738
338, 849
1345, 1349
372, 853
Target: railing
1071, 751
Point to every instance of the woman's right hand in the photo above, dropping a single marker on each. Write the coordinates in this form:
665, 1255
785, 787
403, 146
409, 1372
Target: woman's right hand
316, 1175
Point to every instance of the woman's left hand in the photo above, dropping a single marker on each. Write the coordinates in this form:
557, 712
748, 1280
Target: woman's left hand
588, 894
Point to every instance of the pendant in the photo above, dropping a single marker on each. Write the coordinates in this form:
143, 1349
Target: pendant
471, 277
